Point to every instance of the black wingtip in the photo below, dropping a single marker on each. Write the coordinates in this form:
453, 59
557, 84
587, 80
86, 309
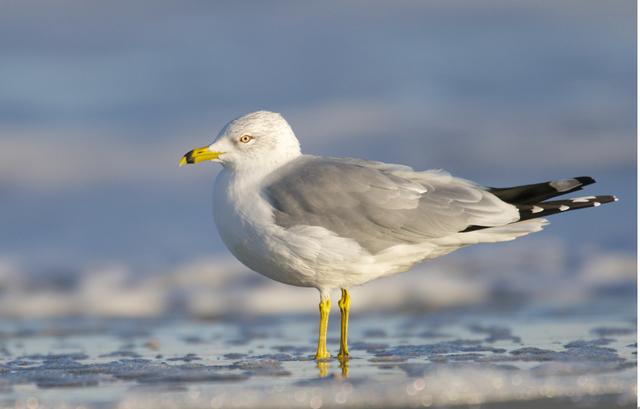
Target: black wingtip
606, 199
539, 192
585, 180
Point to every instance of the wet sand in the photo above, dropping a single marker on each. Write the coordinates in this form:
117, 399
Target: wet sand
456, 358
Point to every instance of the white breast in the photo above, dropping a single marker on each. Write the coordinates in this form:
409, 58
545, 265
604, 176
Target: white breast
244, 221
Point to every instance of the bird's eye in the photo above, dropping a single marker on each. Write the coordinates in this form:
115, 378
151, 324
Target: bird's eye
245, 138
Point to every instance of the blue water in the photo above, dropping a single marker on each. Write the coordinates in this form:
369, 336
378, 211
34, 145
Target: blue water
98, 102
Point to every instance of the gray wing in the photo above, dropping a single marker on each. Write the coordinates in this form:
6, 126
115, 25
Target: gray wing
380, 205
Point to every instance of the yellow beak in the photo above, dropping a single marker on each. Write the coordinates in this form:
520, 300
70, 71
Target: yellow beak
199, 155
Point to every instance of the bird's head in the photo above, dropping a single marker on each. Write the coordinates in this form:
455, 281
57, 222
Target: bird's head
260, 138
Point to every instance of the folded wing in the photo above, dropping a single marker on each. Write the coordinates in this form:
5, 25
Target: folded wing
380, 205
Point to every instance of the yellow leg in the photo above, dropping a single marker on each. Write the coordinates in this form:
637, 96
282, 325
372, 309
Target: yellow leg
325, 308
345, 305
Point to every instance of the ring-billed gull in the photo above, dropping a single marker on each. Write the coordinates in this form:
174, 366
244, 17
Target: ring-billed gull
335, 223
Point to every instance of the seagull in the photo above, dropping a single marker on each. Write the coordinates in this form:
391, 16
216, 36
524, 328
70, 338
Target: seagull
335, 223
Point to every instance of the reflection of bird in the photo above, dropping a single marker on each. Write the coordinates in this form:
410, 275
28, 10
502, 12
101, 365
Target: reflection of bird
334, 223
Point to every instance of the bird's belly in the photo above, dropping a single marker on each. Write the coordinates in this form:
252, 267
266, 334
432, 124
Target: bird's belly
270, 254
252, 255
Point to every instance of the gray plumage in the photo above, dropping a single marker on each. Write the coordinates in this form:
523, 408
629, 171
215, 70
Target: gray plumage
377, 204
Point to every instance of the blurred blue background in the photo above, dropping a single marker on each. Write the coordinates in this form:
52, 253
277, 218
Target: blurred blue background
99, 100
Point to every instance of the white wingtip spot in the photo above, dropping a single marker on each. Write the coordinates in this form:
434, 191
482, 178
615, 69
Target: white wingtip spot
615, 198
536, 209
596, 204
563, 208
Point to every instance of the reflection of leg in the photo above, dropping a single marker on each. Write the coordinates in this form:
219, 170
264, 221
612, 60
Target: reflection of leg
344, 365
325, 308
323, 366
344, 304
